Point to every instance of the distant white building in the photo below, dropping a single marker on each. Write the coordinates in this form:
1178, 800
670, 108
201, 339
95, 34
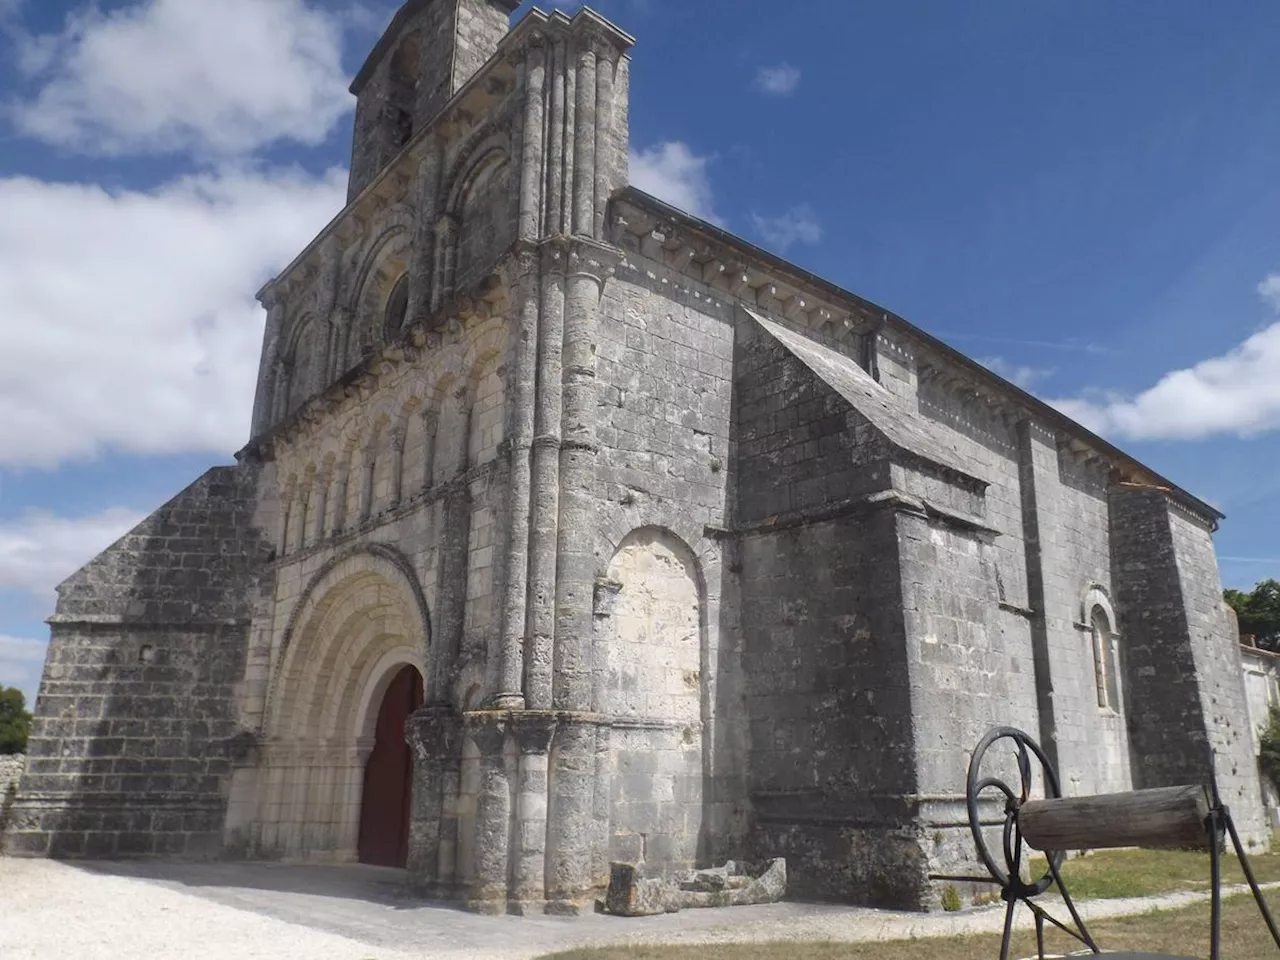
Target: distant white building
1262, 690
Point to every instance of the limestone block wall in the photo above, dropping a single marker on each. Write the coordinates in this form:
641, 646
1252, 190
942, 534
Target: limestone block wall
826, 692
1181, 660
1092, 737
11, 767
676, 748
135, 729
389, 555
429, 51
1049, 510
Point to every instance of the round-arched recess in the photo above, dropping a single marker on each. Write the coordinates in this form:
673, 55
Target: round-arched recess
649, 619
359, 623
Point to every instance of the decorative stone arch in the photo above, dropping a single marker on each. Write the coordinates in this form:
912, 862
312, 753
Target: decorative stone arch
385, 263
473, 232
361, 618
304, 360
650, 673
373, 557
486, 139
1098, 616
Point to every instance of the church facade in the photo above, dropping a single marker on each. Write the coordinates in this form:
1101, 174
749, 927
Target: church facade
574, 529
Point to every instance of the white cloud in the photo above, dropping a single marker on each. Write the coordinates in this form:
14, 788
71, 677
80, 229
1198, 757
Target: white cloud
780, 80
1024, 376
797, 225
38, 550
1269, 290
216, 78
674, 173
129, 319
21, 663
1237, 393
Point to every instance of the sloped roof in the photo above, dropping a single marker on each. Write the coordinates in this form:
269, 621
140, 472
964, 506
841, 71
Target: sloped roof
884, 410
1048, 414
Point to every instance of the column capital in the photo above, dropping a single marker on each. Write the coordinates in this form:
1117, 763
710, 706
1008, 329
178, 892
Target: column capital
533, 730
433, 733
488, 728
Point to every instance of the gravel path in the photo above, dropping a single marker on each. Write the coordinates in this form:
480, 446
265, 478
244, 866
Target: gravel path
223, 911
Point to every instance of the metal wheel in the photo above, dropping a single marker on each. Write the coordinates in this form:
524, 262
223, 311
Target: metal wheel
1009, 874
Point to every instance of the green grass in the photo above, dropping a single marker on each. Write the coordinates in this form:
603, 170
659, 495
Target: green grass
1107, 874
1183, 932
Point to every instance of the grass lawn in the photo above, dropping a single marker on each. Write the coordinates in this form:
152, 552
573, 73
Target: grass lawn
1140, 873
1182, 932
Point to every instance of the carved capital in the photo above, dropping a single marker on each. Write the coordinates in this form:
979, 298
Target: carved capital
488, 730
433, 733
593, 259
533, 730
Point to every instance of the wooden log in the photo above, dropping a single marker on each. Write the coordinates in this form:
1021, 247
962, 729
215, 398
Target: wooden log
1160, 817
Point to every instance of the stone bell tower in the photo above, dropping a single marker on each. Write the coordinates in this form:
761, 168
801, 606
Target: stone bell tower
427, 54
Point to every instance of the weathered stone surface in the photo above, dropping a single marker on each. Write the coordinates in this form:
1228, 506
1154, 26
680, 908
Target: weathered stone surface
735, 884
699, 557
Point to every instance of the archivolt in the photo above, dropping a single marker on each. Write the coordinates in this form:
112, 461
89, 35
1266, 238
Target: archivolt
325, 590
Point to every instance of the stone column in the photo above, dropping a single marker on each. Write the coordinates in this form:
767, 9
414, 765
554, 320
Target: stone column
323, 478
531, 147
430, 427
545, 481
264, 398
570, 831
300, 527
570, 126
434, 735
488, 893
451, 583
584, 143
522, 281
366, 486
285, 516
603, 135
397, 466
590, 264
533, 731
420, 271
280, 393
555, 145
340, 507
348, 789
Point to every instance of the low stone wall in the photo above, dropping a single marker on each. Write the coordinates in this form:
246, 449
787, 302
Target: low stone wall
11, 767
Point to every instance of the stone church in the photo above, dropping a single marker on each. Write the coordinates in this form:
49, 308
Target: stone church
572, 528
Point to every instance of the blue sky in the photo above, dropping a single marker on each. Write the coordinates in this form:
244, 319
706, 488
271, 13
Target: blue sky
1082, 195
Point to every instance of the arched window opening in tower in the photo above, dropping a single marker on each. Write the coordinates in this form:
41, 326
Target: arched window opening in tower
397, 308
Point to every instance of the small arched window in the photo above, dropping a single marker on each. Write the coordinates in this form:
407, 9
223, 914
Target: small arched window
397, 309
404, 88
1105, 660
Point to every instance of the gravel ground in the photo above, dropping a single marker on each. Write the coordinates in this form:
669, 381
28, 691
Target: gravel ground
104, 911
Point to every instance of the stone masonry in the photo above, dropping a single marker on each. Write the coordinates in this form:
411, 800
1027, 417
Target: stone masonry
697, 556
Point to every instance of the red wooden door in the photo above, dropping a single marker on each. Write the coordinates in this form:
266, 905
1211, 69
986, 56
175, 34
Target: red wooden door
388, 776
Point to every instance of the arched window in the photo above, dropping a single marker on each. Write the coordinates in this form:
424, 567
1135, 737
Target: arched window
1106, 667
397, 308
404, 88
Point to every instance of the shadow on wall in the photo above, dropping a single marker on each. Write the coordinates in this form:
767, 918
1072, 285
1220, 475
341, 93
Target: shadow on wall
134, 735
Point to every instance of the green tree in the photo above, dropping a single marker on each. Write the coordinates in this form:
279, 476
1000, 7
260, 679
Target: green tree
1269, 747
1258, 612
15, 721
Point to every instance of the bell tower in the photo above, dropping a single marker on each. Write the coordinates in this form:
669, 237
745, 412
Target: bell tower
429, 51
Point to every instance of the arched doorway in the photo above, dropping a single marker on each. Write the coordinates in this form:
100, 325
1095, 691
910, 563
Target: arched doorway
388, 776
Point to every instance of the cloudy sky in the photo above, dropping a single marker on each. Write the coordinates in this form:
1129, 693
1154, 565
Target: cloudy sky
1083, 195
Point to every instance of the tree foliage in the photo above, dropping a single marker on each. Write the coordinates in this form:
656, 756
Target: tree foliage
1269, 747
15, 721
1258, 612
